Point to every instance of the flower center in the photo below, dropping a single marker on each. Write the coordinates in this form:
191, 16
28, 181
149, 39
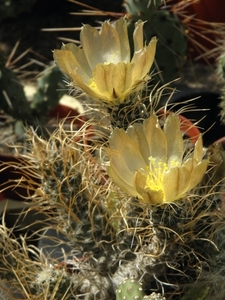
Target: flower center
155, 171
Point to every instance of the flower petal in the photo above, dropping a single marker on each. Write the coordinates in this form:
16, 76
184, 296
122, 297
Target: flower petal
90, 41
175, 182
80, 57
88, 88
175, 144
121, 28
120, 173
156, 139
65, 61
101, 46
120, 182
198, 173
68, 63
136, 133
198, 151
127, 148
143, 59
138, 36
147, 195
117, 163
113, 81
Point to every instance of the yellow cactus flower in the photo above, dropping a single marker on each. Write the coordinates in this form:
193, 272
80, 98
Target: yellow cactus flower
148, 162
102, 67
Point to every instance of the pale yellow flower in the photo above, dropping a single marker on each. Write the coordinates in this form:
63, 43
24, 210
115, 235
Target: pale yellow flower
102, 67
148, 162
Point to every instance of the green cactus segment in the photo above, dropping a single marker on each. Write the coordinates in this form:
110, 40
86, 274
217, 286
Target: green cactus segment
166, 26
172, 44
12, 97
197, 293
129, 289
13, 100
50, 89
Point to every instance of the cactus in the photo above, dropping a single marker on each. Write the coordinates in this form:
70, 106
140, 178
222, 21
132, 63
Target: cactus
197, 293
48, 93
12, 97
129, 289
78, 212
62, 170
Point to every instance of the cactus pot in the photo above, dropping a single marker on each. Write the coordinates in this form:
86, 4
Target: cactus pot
208, 10
67, 113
